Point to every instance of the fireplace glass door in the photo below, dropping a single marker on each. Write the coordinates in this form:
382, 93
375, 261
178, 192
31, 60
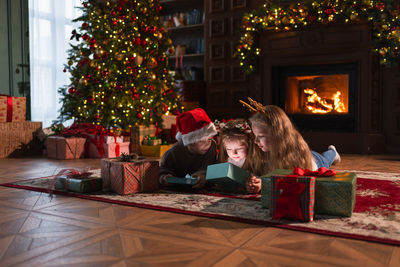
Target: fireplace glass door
318, 97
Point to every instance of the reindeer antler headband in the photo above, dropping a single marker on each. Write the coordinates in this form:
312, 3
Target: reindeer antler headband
254, 106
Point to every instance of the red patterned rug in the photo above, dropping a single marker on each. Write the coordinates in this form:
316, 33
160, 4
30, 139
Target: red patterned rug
376, 215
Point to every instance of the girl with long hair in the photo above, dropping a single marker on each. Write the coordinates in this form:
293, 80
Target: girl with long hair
282, 145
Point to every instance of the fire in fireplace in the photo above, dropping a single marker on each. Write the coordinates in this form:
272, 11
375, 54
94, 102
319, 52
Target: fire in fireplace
318, 97
317, 94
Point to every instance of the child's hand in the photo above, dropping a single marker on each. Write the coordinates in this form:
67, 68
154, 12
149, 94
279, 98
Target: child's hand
163, 179
253, 185
201, 179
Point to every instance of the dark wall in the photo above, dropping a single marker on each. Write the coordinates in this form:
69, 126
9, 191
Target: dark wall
14, 49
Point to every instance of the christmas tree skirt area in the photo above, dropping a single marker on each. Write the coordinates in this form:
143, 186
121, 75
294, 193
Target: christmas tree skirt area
376, 215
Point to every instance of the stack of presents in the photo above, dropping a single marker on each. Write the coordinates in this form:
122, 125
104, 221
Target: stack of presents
85, 140
18, 136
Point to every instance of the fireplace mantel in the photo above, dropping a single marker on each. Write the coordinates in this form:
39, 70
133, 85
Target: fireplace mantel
329, 45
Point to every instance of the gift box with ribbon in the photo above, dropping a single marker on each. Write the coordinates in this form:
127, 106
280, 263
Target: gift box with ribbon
12, 108
59, 147
104, 146
226, 176
292, 197
79, 182
127, 175
335, 192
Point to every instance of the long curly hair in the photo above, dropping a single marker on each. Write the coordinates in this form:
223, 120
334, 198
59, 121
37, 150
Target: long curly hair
240, 131
288, 149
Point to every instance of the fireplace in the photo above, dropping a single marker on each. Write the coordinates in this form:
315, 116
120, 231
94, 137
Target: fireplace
329, 83
318, 97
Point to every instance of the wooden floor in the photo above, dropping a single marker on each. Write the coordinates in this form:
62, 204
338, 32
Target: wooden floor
37, 230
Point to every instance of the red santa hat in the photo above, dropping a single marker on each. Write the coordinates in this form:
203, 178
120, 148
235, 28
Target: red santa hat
194, 126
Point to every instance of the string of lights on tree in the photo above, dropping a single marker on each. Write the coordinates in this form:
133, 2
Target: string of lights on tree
384, 16
119, 68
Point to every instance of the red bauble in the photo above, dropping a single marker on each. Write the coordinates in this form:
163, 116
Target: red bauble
85, 25
96, 117
115, 23
85, 37
64, 70
71, 90
90, 99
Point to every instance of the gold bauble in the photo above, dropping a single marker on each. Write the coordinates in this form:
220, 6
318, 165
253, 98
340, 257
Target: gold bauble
119, 56
70, 62
138, 60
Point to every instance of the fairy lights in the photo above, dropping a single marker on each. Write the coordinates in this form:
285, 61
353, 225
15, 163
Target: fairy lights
385, 18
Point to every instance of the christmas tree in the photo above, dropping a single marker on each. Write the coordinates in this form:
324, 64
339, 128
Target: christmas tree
119, 67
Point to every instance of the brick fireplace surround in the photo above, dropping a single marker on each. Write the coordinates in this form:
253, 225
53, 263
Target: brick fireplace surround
376, 118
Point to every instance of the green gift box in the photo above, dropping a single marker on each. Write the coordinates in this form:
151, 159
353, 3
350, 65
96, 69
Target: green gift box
226, 175
334, 195
183, 180
79, 185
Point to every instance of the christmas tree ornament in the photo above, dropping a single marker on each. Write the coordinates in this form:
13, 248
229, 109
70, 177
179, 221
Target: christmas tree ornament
138, 60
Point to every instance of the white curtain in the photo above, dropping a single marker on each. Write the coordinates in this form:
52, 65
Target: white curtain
50, 26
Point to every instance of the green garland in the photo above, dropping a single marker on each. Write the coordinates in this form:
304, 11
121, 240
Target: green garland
384, 15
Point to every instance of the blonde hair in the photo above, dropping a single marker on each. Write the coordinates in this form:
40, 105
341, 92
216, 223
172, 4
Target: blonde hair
238, 130
288, 149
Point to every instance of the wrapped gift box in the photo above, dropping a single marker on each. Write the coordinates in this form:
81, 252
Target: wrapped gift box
226, 175
12, 109
20, 139
334, 195
108, 139
183, 180
79, 185
284, 190
110, 150
130, 177
154, 151
59, 147
168, 121
137, 135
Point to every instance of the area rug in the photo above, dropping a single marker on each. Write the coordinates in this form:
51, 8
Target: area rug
376, 215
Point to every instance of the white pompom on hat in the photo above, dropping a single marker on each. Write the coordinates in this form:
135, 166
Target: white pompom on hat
194, 126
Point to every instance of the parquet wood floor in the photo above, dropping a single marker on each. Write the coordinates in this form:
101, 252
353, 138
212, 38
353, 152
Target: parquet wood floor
38, 230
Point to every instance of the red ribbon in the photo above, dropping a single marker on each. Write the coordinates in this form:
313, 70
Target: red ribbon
9, 107
320, 172
288, 203
117, 149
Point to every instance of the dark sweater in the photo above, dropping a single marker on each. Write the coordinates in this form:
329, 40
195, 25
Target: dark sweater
178, 161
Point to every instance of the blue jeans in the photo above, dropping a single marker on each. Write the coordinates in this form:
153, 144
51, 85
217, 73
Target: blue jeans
325, 159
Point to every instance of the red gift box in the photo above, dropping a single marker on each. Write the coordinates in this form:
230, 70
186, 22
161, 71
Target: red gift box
130, 177
292, 197
59, 147
12, 108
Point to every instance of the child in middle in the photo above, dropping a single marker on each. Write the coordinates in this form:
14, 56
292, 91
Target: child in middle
237, 146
